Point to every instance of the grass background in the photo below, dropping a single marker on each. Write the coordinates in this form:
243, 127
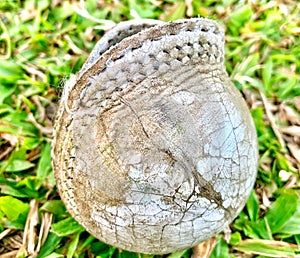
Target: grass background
43, 41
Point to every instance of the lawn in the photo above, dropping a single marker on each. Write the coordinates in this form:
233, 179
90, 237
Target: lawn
42, 42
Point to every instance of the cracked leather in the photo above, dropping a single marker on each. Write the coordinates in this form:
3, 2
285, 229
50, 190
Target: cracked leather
155, 149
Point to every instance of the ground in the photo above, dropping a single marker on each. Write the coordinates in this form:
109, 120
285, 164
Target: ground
43, 42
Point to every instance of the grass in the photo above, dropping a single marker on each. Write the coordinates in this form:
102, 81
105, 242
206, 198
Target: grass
43, 41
